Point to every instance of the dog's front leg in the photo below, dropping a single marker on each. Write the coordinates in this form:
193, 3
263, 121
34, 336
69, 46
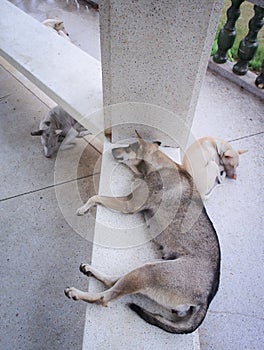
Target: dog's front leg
67, 142
83, 133
123, 204
135, 202
221, 178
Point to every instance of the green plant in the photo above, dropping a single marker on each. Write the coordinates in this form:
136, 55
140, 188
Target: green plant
241, 29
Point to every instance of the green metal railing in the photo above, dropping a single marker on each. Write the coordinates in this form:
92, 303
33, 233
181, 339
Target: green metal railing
248, 45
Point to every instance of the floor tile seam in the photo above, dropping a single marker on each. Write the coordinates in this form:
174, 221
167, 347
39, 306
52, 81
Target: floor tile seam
46, 187
90, 144
236, 314
246, 136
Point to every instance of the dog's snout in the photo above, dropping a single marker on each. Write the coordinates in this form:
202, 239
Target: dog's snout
116, 154
232, 175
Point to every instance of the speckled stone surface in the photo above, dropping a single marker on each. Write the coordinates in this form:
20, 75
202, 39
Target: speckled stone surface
156, 52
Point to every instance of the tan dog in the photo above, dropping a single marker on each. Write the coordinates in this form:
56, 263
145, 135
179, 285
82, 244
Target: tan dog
187, 279
210, 160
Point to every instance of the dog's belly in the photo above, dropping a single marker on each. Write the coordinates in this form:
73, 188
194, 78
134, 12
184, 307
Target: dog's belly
169, 300
179, 284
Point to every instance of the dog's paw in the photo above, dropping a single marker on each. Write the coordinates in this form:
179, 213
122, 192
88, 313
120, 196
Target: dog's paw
85, 269
71, 293
81, 211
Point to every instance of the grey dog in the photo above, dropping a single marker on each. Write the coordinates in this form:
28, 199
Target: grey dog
58, 130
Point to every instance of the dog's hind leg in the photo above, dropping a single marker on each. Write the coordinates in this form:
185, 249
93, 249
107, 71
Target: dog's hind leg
76, 294
136, 281
89, 270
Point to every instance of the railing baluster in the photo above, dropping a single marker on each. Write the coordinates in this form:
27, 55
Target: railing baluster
227, 34
248, 46
260, 79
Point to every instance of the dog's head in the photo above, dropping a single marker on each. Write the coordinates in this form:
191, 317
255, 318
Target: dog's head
56, 24
229, 159
59, 27
51, 138
135, 153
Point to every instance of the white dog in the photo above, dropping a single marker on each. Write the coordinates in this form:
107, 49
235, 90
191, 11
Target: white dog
57, 25
210, 160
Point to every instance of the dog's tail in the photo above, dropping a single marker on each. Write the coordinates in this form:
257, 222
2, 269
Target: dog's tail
187, 325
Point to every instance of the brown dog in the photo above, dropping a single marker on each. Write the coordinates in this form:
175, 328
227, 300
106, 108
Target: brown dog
187, 278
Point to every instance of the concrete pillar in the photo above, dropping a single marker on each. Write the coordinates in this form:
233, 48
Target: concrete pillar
155, 52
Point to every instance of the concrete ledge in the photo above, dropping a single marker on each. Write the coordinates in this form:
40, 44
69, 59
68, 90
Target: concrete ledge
65, 73
121, 243
246, 82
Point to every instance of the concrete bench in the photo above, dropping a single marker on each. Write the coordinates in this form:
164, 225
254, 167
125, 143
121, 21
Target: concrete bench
65, 73
72, 79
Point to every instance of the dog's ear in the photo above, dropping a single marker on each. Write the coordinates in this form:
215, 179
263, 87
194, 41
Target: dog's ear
138, 136
229, 154
242, 151
220, 148
140, 139
58, 25
37, 133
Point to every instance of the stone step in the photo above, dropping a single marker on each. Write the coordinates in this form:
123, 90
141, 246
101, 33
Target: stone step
121, 243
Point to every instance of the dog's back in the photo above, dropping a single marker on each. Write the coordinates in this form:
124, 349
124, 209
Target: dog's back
177, 214
60, 119
183, 231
